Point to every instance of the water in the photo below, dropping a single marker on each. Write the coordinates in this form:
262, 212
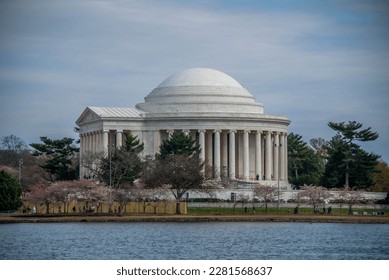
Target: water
278, 241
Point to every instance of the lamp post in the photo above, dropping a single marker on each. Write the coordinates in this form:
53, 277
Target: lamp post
110, 147
278, 146
110, 167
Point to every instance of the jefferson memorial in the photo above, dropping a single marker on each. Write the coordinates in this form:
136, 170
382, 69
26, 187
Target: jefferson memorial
237, 139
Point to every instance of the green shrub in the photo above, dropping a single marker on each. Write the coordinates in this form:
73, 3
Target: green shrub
10, 192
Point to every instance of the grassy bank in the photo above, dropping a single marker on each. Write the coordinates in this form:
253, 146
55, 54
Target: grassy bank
276, 211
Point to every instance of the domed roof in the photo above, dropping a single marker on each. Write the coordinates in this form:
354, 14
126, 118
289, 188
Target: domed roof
200, 77
200, 90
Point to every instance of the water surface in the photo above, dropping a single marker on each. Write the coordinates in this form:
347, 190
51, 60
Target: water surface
277, 241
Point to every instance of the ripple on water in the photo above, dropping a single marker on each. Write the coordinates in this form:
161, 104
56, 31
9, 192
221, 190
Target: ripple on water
194, 241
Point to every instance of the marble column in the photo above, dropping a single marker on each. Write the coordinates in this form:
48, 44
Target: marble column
81, 156
119, 138
82, 143
258, 155
99, 142
276, 156
94, 141
282, 156
186, 132
246, 158
92, 150
232, 155
217, 154
90, 139
209, 150
105, 142
224, 154
157, 141
86, 143
268, 163
202, 146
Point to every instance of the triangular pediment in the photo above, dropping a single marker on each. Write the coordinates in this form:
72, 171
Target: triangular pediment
87, 116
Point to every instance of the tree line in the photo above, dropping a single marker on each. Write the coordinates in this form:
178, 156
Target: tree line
54, 164
316, 196
339, 162
122, 175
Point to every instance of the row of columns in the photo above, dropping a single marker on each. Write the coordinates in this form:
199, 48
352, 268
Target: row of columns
218, 149
275, 165
97, 141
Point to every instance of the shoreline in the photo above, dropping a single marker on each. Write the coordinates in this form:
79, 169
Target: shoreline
6, 219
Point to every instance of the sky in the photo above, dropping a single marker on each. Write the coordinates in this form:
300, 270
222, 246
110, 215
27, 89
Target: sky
312, 61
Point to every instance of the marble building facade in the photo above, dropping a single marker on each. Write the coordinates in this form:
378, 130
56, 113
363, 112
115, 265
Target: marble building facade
237, 139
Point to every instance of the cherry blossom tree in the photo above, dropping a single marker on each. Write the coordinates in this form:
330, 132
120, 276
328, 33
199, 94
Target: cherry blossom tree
156, 197
41, 194
241, 198
348, 196
122, 196
265, 193
63, 192
91, 191
315, 195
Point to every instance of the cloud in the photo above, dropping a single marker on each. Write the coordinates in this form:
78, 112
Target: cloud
313, 62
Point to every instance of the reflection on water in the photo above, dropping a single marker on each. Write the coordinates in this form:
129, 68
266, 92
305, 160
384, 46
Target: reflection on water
279, 241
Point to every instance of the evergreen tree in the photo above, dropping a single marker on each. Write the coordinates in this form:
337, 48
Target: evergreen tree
178, 144
177, 166
10, 192
305, 166
60, 157
123, 165
348, 164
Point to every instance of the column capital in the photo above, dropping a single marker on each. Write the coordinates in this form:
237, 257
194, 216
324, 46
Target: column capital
119, 131
106, 130
232, 131
217, 130
259, 132
201, 130
246, 131
186, 131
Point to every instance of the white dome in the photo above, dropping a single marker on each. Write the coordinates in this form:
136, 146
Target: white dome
200, 77
200, 90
